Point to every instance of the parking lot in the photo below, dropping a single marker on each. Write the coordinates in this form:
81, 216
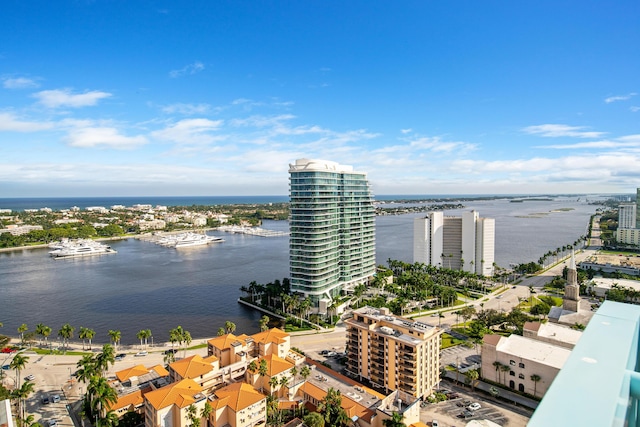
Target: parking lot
454, 412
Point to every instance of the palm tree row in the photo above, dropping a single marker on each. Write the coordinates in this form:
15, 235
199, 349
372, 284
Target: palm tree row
100, 395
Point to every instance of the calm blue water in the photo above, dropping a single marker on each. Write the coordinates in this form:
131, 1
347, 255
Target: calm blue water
145, 286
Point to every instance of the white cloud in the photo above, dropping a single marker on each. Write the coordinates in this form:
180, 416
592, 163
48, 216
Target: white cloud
186, 109
89, 137
634, 109
406, 131
611, 99
65, 98
558, 130
194, 68
19, 83
10, 123
190, 131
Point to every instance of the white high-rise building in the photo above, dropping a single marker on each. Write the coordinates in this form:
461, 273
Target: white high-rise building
332, 225
458, 243
627, 215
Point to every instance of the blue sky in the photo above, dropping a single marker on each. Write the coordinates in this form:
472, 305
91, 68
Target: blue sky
126, 98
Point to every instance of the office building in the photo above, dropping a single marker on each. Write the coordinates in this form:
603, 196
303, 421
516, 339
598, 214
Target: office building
458, 243
392, 352
332, 225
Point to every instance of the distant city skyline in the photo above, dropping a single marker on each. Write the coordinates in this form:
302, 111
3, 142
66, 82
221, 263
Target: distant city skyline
101, 98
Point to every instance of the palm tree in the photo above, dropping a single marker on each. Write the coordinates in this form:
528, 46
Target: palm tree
22, 329
331, 408
535, 378
273, 383
472, 375
305, 371
102, 395
66, 333
186, 337
497, 365
86, 368
229, 327
20, 394
39, 329
46, 331
284, 382
395, 421
115, 336
504, 369
206, 412
294, 372
264, 323
192, 416
141, 336
84, 334
106, 357
18, 363
221, 331
263, 369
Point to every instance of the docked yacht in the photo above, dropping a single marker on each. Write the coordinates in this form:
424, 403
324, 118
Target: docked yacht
80, 248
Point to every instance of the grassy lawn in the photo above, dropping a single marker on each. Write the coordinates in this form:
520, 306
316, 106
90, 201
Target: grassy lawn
449, 341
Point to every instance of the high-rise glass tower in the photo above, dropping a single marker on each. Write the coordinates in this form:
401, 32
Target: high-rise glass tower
332, 224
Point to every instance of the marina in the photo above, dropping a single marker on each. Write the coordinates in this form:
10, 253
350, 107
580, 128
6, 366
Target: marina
148, 286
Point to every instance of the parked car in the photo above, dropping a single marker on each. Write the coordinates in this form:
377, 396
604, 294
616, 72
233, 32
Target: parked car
45, 400
453, 396
120, 356
6, 367
434, 423
55, 398
30, 377
141, 353
474, 406
52, 423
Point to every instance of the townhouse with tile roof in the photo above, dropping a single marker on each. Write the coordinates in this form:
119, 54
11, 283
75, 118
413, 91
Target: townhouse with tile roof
237, 397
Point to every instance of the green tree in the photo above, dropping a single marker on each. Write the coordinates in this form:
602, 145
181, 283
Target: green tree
18, 363
115, 336
22, 329
396, 420
331, 409
472, 377
192, 416
263, 369
105, 358
66, 333
229, 327
264, 323
314, 419
535, 378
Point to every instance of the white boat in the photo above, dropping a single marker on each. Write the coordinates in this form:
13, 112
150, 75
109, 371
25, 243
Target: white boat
188, 239
80, 248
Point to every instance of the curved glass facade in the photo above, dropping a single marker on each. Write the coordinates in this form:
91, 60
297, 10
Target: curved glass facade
332, 224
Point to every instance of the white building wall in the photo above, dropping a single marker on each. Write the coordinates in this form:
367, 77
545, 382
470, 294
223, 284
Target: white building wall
627, 215
428, 239
469, 238
468, 254
486, 246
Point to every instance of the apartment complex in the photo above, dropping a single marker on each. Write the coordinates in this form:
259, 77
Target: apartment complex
628, 232
392, 352
332, 229
458, 243
229, 386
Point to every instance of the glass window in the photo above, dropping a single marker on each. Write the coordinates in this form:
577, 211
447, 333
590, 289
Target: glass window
521, 365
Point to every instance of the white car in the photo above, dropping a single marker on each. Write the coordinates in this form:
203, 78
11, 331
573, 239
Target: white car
141, 354
29, 377
474, 406
434, 423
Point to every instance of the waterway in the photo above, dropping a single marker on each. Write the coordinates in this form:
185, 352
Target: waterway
146, 286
